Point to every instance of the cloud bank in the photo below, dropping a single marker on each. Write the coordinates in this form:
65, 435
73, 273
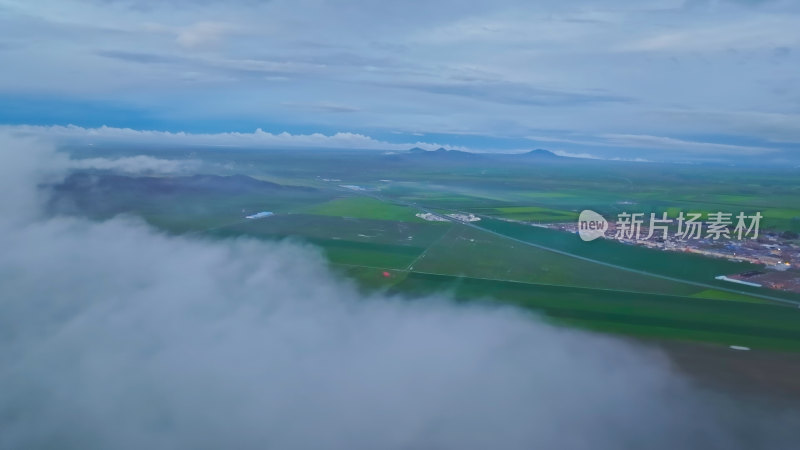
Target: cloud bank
258, 138
139, 164
659, 143
113, 335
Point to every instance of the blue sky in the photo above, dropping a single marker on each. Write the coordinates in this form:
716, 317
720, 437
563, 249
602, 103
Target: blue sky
654, 80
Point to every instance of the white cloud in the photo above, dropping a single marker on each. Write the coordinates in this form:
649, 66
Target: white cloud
776, 127
756, 31
322, 106
203, 34
680, 145
576, 155
139, 164
641, 141
258, 138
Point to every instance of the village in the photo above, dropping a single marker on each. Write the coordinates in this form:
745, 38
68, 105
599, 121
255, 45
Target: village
779, 253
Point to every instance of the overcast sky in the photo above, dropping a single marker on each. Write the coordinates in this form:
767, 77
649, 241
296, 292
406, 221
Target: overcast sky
662, 79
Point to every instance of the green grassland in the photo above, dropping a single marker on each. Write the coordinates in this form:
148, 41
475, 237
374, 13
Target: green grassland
474, 253
201, 212
529, 213
555, 191
729, 296
362, 208
663, 316
364, 236
473, 265
371, 279
562, 184
685, 266
347, 240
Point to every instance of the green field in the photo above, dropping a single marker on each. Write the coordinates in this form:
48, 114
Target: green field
362, 208
530, 213
685, 266
727, 323
346, 240
729, 296
474, 253
374, 238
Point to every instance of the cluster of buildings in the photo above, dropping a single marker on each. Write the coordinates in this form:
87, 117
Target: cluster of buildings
780, 256
431, 217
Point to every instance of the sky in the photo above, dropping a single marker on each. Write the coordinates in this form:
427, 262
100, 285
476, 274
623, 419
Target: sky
653, 80
115, 335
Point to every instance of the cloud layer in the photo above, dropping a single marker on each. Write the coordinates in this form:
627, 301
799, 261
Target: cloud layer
258, 138
139, 164
113, 335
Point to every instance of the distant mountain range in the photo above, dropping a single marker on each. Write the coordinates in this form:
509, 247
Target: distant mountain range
443, 153
86, 183
541, 153
104, 195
